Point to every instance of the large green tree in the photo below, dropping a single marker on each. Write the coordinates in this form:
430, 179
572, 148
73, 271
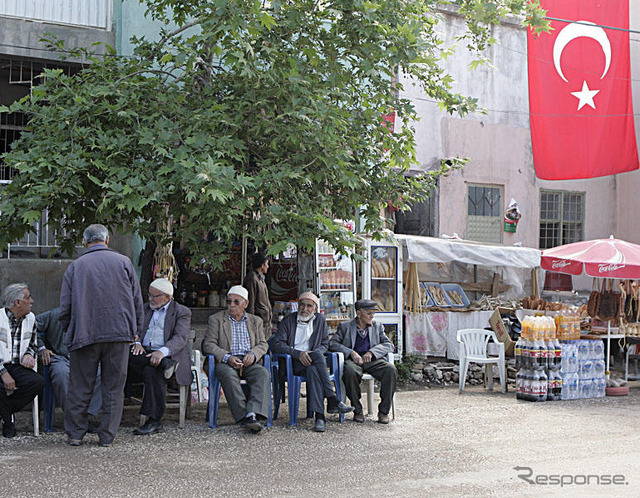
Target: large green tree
246, 117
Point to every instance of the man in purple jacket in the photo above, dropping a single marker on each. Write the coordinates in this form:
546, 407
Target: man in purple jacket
101, 313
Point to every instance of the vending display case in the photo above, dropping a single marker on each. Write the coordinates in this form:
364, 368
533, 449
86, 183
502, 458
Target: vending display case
335, 285
382, 282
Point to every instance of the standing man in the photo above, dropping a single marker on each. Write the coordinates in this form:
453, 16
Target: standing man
20, 384
364, 345
101, 313
53, 352
305, 336
162, 350
259, 303
236, 340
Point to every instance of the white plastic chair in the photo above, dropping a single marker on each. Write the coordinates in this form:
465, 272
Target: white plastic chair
473, 348
370, 384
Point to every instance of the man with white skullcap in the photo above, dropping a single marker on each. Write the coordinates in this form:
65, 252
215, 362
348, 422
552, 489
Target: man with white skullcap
161, 350
305, 336
236, 340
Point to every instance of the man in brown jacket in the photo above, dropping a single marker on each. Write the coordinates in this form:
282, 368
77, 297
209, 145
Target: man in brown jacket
259, 303
236, 340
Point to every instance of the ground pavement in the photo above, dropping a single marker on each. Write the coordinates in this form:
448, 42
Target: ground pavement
441, 444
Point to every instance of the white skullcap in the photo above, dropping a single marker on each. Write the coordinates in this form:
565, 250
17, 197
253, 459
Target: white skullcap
238, 290
163, 285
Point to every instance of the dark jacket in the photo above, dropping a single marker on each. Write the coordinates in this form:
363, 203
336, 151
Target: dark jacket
100, 299
177, 328
344, 340
48, 324
285, 337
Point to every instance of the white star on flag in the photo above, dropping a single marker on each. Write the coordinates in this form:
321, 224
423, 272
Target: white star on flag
585, 96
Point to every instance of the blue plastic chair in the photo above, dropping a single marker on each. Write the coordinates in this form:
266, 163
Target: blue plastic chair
214, 391
294, 383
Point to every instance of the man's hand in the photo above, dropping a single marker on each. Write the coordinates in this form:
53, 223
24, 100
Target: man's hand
7, 380
357, 359
249, 359
45, 356
137, 349
305, 358
155, 358
28, 361
367, 357
234, 362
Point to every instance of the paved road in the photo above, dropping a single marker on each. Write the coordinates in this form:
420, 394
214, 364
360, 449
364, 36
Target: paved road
441, 444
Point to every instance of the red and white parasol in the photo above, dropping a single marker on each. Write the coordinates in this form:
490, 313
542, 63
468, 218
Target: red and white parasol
604, 258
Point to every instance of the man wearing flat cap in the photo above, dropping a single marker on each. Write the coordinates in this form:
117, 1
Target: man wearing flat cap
305, 336
364, 345
259, 303
236, 339
161, 350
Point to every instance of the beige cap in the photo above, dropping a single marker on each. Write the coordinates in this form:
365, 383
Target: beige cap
238, 290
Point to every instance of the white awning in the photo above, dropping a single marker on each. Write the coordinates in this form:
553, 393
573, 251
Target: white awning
434, 250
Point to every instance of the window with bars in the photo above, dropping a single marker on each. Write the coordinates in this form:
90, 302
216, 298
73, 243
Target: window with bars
561, 217
11, 125
484, 213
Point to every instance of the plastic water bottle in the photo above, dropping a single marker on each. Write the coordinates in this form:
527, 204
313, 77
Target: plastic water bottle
566, 381
598, 350
583, 350
598, 369
574, 386
586, 388
586, 369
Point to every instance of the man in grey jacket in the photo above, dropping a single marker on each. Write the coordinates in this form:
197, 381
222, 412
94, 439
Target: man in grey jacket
305, 336
101, 313
364, 345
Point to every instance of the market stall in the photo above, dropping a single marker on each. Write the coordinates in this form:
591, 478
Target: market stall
605, 260
445, 276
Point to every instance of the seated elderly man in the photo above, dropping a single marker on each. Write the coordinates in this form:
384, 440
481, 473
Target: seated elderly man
236, 339
162, 350
305, 336
364, 345
20, 384
53, 352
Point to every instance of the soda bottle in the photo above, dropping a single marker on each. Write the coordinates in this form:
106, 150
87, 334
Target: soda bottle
517, 352
542, 385
520, 391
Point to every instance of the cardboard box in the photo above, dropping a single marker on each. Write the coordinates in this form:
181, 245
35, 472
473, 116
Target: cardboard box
495, 320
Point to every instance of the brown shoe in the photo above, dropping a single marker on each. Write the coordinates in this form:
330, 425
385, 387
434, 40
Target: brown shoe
383, 418
358, 417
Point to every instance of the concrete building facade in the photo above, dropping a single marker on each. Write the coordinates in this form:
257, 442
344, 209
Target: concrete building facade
500, 163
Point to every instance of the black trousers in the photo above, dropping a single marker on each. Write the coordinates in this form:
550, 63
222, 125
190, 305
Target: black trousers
29, 384
155, 385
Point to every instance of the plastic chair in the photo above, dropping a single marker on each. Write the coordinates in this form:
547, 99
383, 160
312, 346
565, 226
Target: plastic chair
370, 384
214, 391
473, 348
294, 383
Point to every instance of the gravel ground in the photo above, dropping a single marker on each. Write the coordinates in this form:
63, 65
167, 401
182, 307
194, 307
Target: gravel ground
441, 444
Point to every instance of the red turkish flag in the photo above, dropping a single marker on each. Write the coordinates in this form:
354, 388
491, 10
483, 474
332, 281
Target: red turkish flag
580, 103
